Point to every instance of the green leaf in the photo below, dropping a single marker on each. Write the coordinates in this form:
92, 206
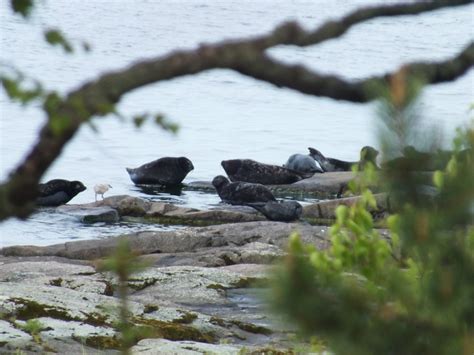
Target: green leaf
139, 120
17, 93
56, 38
23, 7
166, 125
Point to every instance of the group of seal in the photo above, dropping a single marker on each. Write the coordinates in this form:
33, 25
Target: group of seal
246, 185
256, 196
166, 171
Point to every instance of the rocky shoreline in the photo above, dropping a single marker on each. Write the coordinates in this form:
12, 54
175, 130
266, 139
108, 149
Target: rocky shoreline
202, 292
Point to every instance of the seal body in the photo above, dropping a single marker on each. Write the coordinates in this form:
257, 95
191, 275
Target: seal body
303, 164
58, 192
283, 211
241, 193
163, 171
248, 170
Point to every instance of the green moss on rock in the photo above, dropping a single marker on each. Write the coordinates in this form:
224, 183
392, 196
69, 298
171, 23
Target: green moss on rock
172, 331
100, 342
28, 309
150, 308
252, 328
56, 282
186, 318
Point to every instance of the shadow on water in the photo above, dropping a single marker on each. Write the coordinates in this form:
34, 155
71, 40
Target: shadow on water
154, 190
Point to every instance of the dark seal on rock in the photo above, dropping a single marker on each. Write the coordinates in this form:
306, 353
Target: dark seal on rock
302, 164
163, 171
58, 192
367, 154
241, 193
248, 170
283, 211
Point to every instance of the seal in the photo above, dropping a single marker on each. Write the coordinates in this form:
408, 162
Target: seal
241, 193
58, 192
302, 164
248, 170
367, 154
163, 171
283, 211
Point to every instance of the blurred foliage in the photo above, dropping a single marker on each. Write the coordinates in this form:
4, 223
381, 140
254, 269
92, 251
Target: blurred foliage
158, 119
410, 291
23, 7
56, 38
123, 263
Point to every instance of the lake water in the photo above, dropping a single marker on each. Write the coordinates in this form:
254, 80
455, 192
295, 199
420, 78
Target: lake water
221, 115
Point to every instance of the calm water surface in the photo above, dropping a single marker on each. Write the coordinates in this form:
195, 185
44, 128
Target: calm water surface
222, 115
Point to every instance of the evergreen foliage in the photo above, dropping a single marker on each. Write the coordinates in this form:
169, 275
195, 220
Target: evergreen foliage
410, 292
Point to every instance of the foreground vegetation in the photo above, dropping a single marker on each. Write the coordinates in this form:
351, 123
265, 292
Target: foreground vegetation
408, 294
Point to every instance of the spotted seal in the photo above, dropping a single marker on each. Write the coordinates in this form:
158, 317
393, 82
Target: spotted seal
241, 193
367, 154
58, 192
302, 164
163, 171
248, 170
283, 211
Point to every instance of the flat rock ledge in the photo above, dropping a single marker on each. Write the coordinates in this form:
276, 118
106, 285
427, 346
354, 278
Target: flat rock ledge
201, 294
130, 208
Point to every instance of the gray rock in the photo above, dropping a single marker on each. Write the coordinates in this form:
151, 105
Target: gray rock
166, 347
89, 214
183, 240
327, 209
12, 335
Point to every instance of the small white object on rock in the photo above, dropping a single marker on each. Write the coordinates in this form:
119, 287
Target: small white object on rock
101, 189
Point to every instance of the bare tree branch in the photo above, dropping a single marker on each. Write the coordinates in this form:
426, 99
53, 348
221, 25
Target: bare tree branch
247, 57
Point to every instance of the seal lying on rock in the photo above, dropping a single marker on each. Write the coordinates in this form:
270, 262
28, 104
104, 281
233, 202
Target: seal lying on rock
58, 192
302, 164
284, 211
248, 170
367, 154
241, 193
163, 171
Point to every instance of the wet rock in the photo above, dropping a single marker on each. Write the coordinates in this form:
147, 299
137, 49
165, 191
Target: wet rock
90, 214
172, 284
167, 209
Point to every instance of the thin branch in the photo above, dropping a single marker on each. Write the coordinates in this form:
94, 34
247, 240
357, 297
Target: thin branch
247, 57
